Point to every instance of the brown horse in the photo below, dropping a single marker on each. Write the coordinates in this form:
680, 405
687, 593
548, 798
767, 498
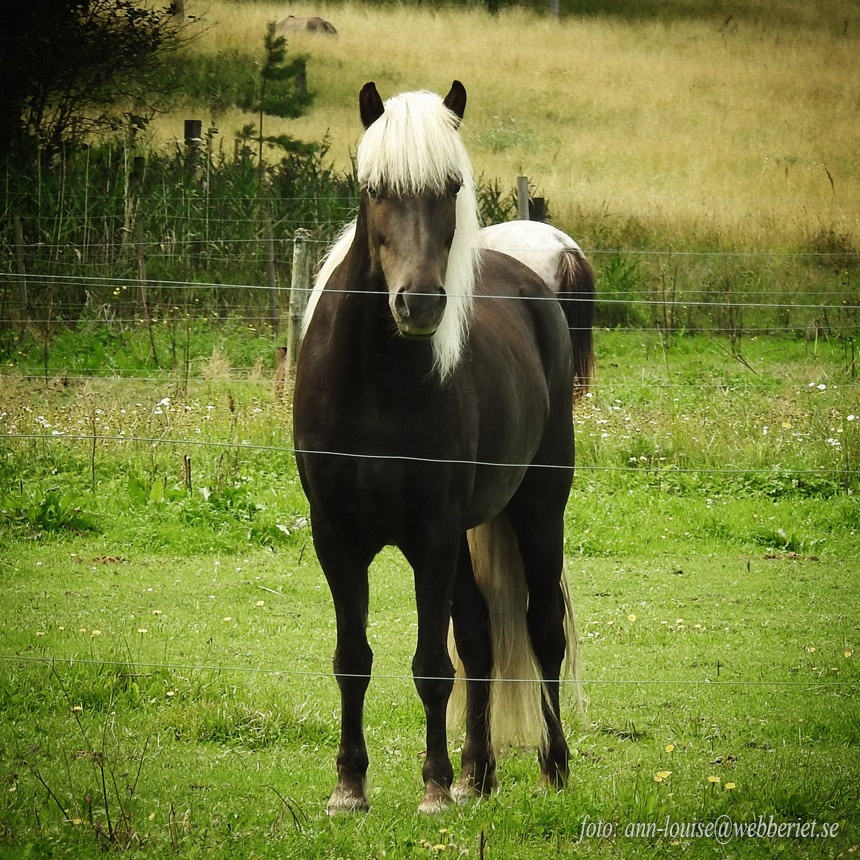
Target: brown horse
432, 412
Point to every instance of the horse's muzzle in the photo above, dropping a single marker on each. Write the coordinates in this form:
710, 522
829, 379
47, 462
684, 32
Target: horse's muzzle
418, 310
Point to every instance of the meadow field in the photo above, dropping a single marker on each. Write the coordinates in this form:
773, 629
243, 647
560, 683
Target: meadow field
166, 632
702, 126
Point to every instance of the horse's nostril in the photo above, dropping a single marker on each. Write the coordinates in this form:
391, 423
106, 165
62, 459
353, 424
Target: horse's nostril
400, 304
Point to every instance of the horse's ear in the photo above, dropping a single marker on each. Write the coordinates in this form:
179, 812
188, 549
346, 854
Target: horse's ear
370, 104
455, 101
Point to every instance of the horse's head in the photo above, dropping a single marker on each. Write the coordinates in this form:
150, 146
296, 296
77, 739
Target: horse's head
410, 240
412, 168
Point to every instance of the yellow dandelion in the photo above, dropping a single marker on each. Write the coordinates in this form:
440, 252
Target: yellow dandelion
171, 692
40, 632
810, 649
156, 612
227, 618
77, 709
142, 630
729, 786
670, 747
631, 617
151, 816
848, 654
715, 780
82, 630
76, 821
13, 788
96, 633
661, 775
260, 603
61, 627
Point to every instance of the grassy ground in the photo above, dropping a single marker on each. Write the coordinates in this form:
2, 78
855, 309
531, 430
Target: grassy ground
733, 128
191, 630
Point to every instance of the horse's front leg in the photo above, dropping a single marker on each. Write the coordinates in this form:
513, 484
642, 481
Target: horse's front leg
432, 669
347, 579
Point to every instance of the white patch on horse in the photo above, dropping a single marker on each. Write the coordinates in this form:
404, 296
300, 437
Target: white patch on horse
534, 243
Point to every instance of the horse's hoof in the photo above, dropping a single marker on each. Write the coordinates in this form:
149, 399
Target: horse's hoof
553, 782
464, 793
345, 802
465, 790
436, 799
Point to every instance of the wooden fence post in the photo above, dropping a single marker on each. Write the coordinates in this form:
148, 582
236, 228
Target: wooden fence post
272, 275
523, 198
193, 139
140, 250
300, 289
23, 299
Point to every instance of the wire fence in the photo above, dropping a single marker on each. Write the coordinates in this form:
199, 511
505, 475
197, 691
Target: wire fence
625, 297
664, 468
383, 676
116, 310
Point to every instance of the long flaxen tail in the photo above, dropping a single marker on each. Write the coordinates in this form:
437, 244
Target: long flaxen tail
516, 715
576, 293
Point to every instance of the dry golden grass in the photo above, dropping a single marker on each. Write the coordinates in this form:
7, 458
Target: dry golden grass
746, 133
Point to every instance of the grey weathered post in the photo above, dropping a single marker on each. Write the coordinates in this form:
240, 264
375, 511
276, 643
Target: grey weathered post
523, 198
300, 288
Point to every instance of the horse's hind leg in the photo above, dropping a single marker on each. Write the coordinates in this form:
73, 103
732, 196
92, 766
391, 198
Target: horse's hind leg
540, 535
472, 635
353, 659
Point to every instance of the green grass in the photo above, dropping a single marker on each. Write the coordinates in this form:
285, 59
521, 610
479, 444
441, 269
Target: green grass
179, 640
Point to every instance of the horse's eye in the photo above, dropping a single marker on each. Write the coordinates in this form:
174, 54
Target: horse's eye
454, 187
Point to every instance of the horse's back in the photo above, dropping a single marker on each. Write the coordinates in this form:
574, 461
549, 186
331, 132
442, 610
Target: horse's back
533, 243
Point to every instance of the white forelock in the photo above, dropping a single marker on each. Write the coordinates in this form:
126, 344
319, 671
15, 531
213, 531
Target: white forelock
414, 148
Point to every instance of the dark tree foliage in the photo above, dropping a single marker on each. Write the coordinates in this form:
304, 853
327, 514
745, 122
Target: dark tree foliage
70, 67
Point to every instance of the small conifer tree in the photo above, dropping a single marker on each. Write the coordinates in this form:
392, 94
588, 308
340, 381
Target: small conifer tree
279, 92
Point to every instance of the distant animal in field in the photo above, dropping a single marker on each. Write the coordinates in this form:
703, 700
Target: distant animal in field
313, 24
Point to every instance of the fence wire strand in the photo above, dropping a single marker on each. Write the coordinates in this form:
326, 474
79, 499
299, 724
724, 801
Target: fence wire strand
312, 673
664, 469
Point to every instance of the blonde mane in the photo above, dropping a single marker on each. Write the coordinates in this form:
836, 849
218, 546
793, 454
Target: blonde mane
411, 149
